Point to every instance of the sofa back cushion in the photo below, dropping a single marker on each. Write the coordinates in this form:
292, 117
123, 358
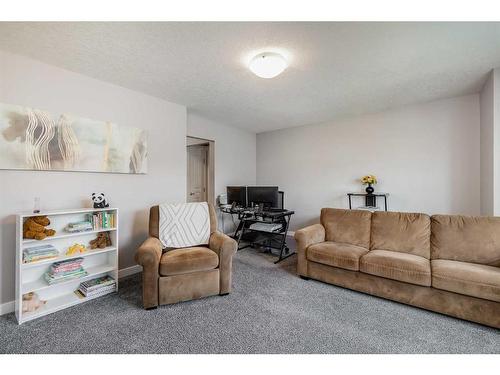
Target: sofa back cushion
401, 231
347, 226
466, 239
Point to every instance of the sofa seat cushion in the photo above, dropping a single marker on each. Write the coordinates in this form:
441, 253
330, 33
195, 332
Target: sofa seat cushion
471, 279
394, 265
336, 254
187, 260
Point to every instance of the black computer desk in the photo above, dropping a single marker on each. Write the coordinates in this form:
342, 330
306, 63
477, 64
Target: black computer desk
272, 240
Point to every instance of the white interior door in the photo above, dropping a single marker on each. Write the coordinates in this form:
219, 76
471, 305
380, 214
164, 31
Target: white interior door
197, 156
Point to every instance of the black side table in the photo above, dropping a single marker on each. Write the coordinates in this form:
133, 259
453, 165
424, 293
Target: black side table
370, 199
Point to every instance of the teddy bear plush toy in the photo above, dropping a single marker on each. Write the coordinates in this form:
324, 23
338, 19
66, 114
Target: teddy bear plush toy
103, 240
31, 302
34, 228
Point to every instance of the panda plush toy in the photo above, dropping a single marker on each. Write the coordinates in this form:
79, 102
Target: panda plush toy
99, 200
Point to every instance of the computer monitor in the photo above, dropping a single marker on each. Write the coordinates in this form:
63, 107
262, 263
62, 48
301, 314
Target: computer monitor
267, 195
237, 194
281, 201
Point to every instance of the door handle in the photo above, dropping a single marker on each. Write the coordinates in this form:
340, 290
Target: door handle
191, 193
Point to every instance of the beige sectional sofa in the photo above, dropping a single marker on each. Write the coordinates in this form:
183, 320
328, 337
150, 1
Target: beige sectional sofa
448, 264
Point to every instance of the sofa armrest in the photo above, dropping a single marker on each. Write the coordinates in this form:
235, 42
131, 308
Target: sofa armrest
148, 256
306, 237
225, 247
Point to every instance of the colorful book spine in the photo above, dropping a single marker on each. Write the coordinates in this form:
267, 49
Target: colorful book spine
96, 287
102, 220
65, 270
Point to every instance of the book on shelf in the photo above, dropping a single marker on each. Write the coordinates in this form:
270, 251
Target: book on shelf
38, 253
65, 270
94, 221
98, 282
98, 291
102, 220
97, 294
97, 286
67, 276
80, 226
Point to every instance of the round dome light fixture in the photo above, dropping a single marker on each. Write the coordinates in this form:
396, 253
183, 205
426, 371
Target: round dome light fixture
268, 64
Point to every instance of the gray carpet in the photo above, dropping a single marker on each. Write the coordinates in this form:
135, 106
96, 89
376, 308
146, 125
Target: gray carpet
269, 311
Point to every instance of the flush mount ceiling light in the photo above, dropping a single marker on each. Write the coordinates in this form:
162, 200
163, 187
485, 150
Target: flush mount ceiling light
268, 64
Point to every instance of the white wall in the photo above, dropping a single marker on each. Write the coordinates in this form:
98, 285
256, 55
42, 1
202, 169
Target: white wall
426, 156
490, 144
235, 159
30, 83
487, 146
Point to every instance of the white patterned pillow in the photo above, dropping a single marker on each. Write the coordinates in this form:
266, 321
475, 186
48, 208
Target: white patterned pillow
184, 224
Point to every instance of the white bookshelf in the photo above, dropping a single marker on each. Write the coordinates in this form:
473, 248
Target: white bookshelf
97, 263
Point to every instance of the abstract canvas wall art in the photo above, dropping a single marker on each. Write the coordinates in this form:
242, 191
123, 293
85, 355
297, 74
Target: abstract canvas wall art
37, 140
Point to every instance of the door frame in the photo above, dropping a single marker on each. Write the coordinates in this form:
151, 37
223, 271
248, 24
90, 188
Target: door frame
210, 166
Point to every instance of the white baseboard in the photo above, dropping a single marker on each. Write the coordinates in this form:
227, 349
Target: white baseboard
124, 272
9, 307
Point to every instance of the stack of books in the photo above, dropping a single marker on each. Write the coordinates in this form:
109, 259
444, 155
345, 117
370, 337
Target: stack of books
65, 270
37, 253
96, 287
80, 226
102, 220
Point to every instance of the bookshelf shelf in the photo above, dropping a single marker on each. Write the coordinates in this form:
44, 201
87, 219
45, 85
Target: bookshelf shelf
59, 303
97, 263
68, 235
40, 284
68, 212
67, 257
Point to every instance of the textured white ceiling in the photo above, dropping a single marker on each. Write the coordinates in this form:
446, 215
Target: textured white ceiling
336, 69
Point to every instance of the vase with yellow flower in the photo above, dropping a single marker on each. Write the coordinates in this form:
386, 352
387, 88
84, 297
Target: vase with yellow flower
369, 180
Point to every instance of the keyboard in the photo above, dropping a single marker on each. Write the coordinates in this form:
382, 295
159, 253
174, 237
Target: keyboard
266, 227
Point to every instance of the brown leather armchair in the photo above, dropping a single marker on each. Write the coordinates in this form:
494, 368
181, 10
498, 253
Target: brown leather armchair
175, 275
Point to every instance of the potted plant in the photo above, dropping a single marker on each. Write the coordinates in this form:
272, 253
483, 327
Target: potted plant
369, 180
